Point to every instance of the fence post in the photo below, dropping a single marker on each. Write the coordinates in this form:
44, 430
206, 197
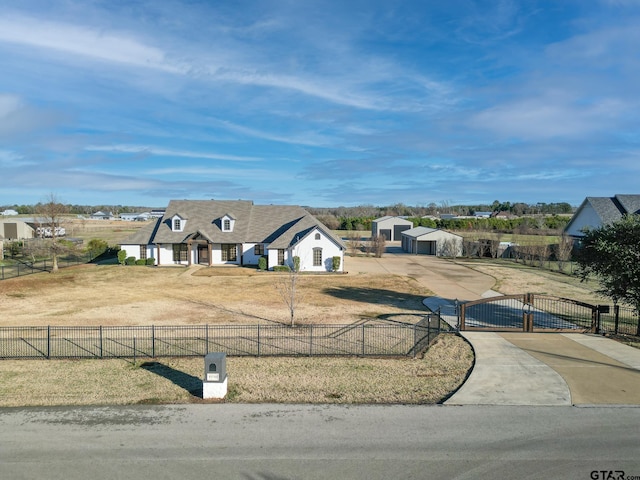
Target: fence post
258, 339
363, 339
153, 341
48, 341
101, 351
616, 318
311, 340
415, 339
206, 343
134, 349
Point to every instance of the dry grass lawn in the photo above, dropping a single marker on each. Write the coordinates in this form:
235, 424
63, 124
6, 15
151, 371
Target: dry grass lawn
133, 295
290, 380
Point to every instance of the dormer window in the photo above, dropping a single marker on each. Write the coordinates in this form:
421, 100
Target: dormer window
317, 236
177, 223
227, 222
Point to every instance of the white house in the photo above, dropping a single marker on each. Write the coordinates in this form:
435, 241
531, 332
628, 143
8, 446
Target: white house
390, 227
8, 213
217, 232
595, 212
135, 217
431, 241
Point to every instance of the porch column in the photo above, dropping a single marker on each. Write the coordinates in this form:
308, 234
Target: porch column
210, 250
158, 254
189, 253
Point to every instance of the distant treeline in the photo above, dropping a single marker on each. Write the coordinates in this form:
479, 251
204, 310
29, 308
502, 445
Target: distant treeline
77, 209
531, 224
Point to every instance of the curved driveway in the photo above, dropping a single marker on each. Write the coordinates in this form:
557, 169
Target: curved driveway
518, 368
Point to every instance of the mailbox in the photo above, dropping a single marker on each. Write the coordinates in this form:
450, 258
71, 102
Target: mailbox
215, 367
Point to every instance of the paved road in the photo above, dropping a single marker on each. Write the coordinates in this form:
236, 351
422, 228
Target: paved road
277, 442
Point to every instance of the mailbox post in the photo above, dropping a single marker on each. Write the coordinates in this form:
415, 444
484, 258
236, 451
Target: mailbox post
214, 384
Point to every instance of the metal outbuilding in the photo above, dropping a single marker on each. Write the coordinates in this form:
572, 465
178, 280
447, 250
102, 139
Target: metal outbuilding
390, 228
431, 241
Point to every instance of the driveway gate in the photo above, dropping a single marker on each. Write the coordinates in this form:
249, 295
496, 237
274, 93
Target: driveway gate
529, 313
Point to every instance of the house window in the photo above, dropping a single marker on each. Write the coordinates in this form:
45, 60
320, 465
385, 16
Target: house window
317, 257
317, 236
229, 252
143, 252
179, 252
258, 249
280, 256
226, 225
176, 224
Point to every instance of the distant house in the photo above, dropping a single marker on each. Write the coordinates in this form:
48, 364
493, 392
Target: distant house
595, 212
8, 213
431, 241
135, 217
216, 232
102, 216
482, 214
390, 228
157, 212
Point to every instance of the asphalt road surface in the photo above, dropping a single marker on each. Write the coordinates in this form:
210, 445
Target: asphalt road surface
277, 442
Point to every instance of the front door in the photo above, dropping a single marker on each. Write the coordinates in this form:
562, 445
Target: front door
203, 254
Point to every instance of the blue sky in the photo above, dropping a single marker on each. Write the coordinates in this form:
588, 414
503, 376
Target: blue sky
319, 103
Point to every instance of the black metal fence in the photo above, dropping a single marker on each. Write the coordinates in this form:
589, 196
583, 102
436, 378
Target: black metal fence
21, 268
362, 339
619, 320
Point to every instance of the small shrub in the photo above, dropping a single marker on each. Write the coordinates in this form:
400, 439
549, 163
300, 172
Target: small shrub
296, 263
335, 263
151, 261
262, 263
122, 257
281, 268
141, 261
130, 261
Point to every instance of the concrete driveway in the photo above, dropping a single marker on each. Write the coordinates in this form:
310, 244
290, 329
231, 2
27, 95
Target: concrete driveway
518, 368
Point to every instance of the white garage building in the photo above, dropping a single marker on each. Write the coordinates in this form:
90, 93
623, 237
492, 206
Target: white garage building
390, 227
431, 241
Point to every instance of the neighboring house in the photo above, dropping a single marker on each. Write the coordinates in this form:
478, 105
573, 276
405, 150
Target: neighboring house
595, 212
16, 230
157, 213
102, 216
431, 241
482, 214
135, 217
390, 228
216, 232
8, 213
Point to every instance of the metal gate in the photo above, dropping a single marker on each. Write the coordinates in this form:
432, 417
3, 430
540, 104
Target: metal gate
529, 313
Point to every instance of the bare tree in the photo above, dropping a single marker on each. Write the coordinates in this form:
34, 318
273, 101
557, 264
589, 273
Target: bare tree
563, 251
288, 288
377, 245
51, 216
354, 242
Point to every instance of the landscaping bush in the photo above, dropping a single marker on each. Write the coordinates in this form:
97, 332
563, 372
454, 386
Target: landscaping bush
281, 268
335, 263
122, 257
296, 263
262, 263
141, 261
130, 261
151, 261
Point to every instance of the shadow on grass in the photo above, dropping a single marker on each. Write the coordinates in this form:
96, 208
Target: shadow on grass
377, 296
191, 384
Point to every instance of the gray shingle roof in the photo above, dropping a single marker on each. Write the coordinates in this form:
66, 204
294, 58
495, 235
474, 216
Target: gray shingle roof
278, 225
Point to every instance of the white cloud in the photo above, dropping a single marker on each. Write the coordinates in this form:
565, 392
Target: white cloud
164, 152
80, 40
